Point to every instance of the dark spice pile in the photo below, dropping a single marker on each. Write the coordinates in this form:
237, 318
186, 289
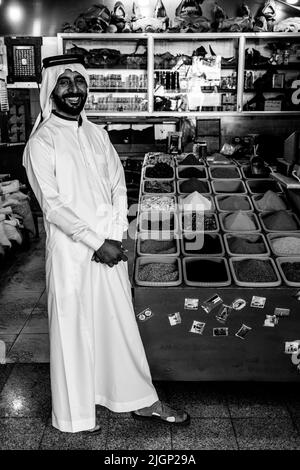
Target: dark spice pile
193, 184
254, 270
291, 271
158, 187
158, 246
160, 170
280, 220
250, 245
206, 270
192, 172
224, 172
211, 244
160, 223
158, 272
194, 221
232, 203
189, 160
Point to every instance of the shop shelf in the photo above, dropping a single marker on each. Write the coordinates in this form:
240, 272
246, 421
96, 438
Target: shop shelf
261, 216
257, 197
157, 236
145, 177
206, 215
219, 198
170, 203
160, 181
236, 174
228, 186
149, 222
287, 259
253, 216
205, 183
233, 261
275, 235
181, 168
260, 186
192, 237
248, 236
216, 263
158, 259
209, 197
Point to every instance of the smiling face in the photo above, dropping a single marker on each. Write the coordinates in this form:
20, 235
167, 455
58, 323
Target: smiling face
70, 93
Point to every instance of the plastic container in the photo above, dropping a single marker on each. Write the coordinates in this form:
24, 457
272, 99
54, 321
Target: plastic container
251, 214
228, 186
181, 168
191, 238
236, 174
157, 236
260, 186
216, 265
261, 216
220, 197
232, 263
207, 196
206, 183
274, 235
145, 191
207, 214
148, 222
257, 197
247, 236
287, 259
145, 177
158, 259
170, 206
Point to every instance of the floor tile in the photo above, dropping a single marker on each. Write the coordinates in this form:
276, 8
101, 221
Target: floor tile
257, 400
21, 434
205, 434
19, 294
5, 370
55, 439
8, 340
128, 434
37, 323
200, 400
292, 398
30, 347
26, 392
14, 314
266, 434
31, 275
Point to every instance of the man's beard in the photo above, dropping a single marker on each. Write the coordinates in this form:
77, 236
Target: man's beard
74, 109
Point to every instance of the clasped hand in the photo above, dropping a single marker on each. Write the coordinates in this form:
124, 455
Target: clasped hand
110, 253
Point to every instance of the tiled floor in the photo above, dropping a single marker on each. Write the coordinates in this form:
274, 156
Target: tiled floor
224, 416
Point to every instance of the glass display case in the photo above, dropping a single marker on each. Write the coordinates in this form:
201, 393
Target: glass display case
272, 74
195, 74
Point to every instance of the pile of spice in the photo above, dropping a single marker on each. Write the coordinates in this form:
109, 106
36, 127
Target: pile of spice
160, 170
158, 272
190, 159
158, 246
281, 221
192, 172
195, 201
224, 172
234, 203
254, 270
194, 221
239, 221
157, 203
152, 158
203, 244
228, 187
286, 246
206, 270
270, 201
291, 271
158, 187
258, 186
193, 184
250, 245
157, 222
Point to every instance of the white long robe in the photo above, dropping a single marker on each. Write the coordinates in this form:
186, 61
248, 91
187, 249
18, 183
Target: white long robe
96, 353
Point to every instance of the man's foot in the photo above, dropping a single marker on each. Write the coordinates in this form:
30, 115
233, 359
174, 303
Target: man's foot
160, 411
92, 432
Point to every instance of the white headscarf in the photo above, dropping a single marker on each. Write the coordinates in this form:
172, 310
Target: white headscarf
49, 79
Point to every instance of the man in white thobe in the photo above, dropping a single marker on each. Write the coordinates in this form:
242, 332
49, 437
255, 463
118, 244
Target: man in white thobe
96, 353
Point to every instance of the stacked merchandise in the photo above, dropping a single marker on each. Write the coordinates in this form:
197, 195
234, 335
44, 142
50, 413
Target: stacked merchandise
207, 225
16, 220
